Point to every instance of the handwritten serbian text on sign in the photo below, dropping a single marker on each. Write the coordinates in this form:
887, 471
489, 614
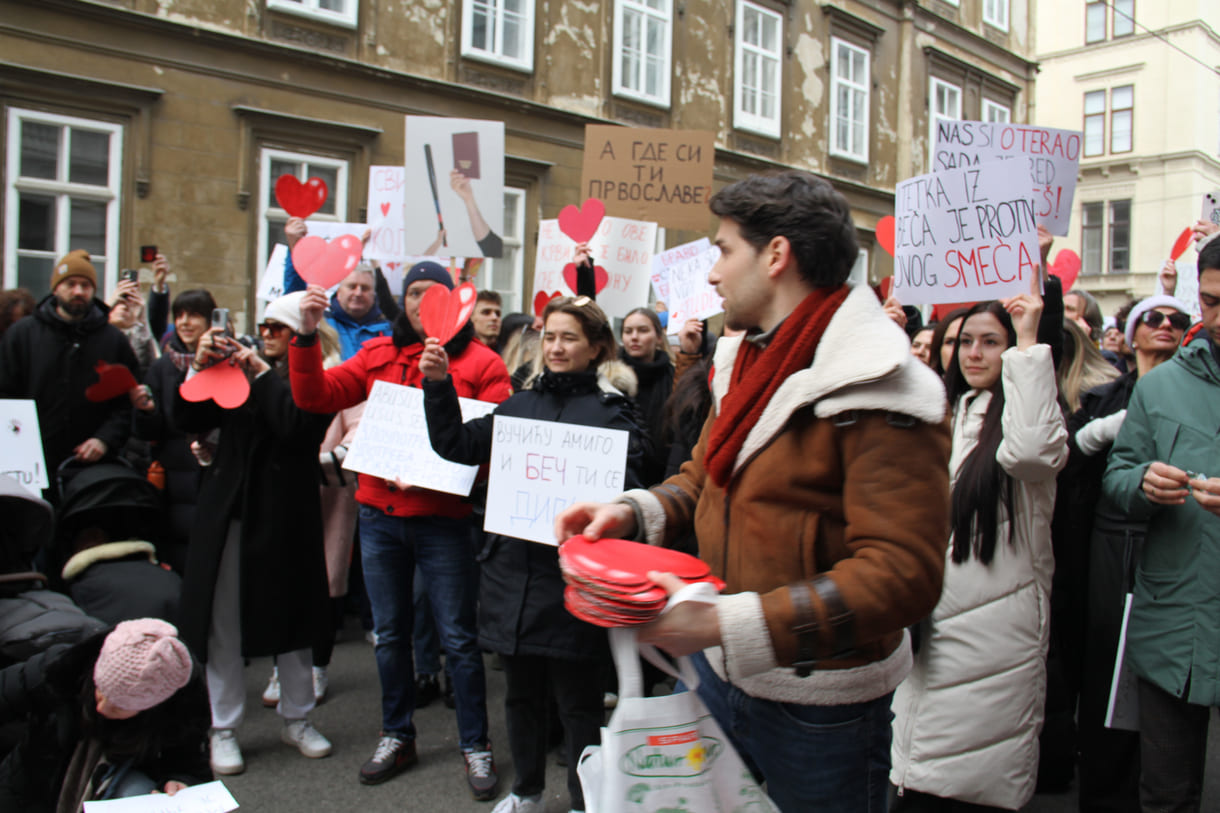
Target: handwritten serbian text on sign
661, 263
690, 295
964, 235
387, 216
21, 445
622, 247
392, 441
539, 468
647, 174
1051, 158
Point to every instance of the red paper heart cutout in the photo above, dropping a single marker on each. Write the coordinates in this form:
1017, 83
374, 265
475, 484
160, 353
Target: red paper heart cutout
223, 382
300, 199
581, 223
942, 310
1180, 245
113, 380
542, 298
385, 208
326, 264
600, 277
443, 312
884, 288
1067, 267
885, 233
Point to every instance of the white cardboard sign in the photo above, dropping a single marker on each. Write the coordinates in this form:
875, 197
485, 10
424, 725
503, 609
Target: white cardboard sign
661, 263
623, 248
388, 244
21, 445
209, 797
964, 235
691, 297
392, 441
539, 468
1051, 158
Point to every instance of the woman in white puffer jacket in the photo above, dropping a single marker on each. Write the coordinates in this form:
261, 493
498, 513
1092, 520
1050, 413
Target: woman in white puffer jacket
967, 718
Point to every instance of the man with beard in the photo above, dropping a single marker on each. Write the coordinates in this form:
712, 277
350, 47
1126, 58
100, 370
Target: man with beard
50, 356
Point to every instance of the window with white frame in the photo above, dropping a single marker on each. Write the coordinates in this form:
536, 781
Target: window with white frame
1121, 109
758, 50
506, 274
945, 104
1094, 122
1122, 103
995, 12
1105, 237
1095, 21
642, 49
849, 84
272, 164
63, 183
1123, 24
500, 31
335, 12
996, 113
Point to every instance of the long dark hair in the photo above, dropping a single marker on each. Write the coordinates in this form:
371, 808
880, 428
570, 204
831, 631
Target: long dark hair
982, 484
938, 336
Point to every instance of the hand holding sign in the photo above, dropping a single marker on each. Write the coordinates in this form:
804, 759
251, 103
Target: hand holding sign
326, 264
580, 223
113, 380
224, 383
300, 199
444, 312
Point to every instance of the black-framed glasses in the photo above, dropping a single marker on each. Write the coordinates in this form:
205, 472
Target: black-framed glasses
274, 328
1177, 319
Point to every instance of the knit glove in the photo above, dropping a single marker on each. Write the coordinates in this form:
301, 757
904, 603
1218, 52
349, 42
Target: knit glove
1097, 434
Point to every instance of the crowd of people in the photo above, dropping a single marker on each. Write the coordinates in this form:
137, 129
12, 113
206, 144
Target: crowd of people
928, 532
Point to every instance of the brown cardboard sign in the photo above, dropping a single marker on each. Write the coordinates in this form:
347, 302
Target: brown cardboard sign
661, 176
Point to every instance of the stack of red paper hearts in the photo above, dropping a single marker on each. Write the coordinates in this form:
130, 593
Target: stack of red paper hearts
608, 582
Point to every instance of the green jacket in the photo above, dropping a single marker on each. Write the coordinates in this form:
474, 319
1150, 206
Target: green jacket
1173, 637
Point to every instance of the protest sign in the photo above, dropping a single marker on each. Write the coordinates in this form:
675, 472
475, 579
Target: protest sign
622, 247
387, 218
455, 174
392, 441
1051, 158
271, 281
690, 295
208, 797
539, 468
1187, 287
21, 445
662, 262
964, 235
642, 173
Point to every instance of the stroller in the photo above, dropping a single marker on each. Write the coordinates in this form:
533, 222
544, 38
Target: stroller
105, 556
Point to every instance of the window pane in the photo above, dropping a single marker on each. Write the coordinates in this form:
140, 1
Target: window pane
1090, 237
331, 176
1122, 97
39, 149
513, 38
502, 269
89, 157
1120, 131
843, 68
36, 222
770, 34
275, 234
1095, 102
34, 273
1094, 135
1095, 22
480, 27
751, 24
1120, 235
1124, 17
87, 227
333, 5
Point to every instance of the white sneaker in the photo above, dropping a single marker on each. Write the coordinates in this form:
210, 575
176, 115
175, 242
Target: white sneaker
226, 754
271, 694
306, 738
321, 683
512, 803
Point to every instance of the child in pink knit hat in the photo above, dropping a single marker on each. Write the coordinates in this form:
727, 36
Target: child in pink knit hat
142, 663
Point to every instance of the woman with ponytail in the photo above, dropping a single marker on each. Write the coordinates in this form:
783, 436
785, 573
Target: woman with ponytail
967, 717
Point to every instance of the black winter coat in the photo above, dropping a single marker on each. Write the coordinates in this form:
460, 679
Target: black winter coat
266, 475
52, 361
521, 609
656, 383
50, 692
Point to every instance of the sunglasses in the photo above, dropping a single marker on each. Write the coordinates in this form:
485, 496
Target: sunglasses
274, 328
1177, 320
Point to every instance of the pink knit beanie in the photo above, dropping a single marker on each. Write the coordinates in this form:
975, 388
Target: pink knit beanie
142, 663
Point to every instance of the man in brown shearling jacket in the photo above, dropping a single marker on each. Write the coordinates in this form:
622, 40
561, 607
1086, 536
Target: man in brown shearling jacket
819, 492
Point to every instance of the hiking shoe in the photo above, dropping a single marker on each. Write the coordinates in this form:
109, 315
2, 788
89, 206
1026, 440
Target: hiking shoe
426, 690
308, 740
393, 756
512, 803
226, 754
481, 773
321, 683
271, 694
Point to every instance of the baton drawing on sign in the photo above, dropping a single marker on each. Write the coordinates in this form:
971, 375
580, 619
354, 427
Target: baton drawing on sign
436, 199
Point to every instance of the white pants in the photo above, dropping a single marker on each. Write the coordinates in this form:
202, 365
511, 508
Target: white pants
226, 667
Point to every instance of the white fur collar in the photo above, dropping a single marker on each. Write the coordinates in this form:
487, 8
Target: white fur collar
81, 562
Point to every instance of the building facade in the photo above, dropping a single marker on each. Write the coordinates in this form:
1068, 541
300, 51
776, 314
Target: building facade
166, 122
1140, 80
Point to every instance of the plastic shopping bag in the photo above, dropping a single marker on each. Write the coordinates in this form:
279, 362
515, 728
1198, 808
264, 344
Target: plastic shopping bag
664, 754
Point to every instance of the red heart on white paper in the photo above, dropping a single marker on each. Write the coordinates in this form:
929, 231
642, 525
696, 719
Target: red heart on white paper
223, 382
326, 264
600, 277
443, 312
580, 223
385, 208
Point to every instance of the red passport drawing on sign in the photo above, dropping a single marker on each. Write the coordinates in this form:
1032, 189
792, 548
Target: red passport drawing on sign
466, 154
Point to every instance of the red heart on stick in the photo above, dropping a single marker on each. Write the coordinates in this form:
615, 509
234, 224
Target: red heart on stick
1179, 245
113, 380
224, 383
580, 223
885, 233
542, 298
600, 277
1067, 267
326, 264
300, 199
444, 312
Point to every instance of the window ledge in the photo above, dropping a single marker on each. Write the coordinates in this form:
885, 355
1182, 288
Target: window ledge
336, 19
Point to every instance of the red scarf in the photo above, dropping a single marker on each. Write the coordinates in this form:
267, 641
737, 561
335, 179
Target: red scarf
757, 374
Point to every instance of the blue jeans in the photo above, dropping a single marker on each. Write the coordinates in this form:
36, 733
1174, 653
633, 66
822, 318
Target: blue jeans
832, 759
391, 547
427, 645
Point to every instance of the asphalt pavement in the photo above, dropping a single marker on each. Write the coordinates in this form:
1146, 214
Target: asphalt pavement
278, 779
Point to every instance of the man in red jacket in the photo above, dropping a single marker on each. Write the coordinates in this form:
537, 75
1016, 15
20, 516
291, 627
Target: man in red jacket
401, 526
